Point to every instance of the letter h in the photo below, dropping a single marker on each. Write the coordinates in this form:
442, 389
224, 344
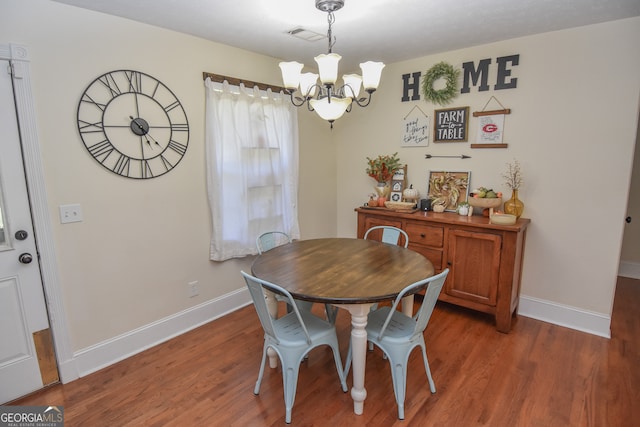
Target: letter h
414, 86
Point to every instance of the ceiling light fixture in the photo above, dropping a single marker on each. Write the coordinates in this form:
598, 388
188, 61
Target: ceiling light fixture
326, 99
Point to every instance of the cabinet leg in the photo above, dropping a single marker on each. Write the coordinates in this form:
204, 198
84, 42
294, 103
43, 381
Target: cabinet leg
503, 322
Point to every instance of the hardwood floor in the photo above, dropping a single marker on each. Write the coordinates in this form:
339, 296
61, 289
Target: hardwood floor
537, 375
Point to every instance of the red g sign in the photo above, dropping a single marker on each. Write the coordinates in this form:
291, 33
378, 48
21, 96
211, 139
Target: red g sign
489, 128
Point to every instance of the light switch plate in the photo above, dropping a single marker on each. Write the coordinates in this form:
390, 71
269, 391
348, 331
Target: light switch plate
70, 213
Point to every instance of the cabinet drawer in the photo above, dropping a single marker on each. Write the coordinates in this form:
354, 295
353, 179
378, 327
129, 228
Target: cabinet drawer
425, 234
433, 255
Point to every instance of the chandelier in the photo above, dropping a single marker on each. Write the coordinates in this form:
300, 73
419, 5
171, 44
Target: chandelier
327, 99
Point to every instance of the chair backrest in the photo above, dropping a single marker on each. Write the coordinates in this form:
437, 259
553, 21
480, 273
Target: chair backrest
434, 286
390, 235
256, 289
271, 239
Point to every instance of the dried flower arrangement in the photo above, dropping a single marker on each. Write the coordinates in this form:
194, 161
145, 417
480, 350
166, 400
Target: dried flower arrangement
445, 189
382, 168
513, 175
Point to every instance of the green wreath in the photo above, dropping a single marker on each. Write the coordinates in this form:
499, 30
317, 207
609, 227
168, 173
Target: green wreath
450, 91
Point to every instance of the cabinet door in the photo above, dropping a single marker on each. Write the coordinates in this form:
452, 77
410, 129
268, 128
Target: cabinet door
474, 262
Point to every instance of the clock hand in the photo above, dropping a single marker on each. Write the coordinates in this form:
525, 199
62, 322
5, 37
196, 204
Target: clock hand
135, 94
154, 140
141, 128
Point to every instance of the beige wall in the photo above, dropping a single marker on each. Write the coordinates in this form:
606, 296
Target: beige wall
128, 263
573, 129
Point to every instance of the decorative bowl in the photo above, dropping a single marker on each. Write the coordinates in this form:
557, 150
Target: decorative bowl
485, 203
502, 219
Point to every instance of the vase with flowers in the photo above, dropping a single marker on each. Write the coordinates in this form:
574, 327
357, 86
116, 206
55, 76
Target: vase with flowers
381, 169
513, 180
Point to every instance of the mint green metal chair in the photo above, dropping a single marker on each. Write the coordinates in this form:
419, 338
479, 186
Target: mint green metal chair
398, 334
390, 235
269, 240
292, 336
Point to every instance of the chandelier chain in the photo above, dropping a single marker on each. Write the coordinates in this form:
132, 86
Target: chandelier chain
331, 40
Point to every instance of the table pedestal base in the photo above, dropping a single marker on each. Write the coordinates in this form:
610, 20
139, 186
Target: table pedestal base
359, 313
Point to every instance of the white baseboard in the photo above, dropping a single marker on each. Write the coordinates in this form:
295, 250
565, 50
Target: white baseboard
101, 355
106, 353
567, 316
629, 269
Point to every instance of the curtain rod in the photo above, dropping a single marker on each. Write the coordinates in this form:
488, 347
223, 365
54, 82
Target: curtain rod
236, 82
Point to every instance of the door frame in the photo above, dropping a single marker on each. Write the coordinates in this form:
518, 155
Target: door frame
18, 56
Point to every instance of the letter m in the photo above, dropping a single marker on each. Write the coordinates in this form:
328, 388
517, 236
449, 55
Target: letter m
470, 73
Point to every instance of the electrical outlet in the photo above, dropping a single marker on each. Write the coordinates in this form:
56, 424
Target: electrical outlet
70, 213
194, 289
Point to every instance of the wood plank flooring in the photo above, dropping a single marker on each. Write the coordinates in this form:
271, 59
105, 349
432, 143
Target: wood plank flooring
538, 375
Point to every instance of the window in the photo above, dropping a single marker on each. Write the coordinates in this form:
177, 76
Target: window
252, 167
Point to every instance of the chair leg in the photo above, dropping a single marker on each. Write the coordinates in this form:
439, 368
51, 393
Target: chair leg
347, 362
290, 370
336, 357
432, 385
256, 389
399, 377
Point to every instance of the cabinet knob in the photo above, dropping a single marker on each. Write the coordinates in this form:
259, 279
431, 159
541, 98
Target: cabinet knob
449, 263
422, 235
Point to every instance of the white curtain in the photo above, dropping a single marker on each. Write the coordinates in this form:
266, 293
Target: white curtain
252, 167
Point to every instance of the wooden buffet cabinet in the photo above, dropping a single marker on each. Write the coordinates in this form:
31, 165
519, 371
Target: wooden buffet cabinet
484, 260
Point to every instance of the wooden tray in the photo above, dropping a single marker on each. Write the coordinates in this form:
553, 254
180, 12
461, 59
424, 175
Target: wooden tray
391, 210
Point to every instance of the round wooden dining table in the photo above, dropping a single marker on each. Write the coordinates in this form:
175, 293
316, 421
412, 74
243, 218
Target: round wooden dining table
352, 274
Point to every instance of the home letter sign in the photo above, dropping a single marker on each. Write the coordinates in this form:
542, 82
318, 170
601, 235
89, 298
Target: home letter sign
472, 76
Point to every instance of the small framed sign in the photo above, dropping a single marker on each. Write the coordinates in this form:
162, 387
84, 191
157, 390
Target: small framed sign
398, 184
415, 129
491, 126
451, 125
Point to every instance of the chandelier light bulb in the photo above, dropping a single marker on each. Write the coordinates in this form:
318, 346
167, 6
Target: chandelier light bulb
371, 72
291, 74
328, 67
308, 84
352, 84
330, 111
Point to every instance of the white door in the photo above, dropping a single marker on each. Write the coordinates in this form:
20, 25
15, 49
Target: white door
24, 324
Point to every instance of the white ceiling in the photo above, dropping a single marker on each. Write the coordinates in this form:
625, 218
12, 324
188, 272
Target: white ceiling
382, 30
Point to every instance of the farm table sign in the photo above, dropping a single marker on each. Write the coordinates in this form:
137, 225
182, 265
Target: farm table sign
451, 125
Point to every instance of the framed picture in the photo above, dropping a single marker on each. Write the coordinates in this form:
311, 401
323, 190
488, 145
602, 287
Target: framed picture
451, 125
448, 189
398, 184
415, 129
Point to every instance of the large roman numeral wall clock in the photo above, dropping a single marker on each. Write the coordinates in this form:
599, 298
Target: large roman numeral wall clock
133, 124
